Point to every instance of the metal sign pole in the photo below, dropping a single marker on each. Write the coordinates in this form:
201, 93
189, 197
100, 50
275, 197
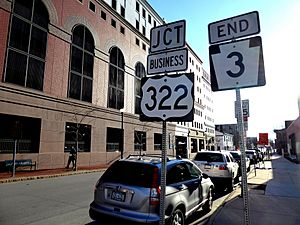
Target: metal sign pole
243, 157
163, 175
14, 158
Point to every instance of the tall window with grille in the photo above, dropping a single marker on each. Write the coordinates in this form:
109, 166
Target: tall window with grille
27, 44
82, 64
116, 79
140, 72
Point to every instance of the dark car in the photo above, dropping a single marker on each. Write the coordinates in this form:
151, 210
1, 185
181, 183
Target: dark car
237, 156
252, 156
130, 190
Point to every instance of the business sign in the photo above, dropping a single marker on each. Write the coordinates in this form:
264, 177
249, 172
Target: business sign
237, 64
234, 27
263, 139
169, 61
168, 98
167, 36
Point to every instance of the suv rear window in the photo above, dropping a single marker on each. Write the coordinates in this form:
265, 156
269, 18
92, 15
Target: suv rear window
209, 157
129, 173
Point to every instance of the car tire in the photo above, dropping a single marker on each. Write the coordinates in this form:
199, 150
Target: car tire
177, 218
230, 184
207, 207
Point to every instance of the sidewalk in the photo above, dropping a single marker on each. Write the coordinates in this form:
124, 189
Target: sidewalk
274, 197
6, 177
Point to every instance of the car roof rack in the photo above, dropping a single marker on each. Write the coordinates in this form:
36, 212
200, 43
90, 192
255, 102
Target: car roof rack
169, 157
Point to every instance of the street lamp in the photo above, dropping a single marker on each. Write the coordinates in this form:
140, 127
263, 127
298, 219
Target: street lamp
122, 133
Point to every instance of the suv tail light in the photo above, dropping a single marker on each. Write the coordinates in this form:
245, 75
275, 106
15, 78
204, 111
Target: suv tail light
155, 189
223, 167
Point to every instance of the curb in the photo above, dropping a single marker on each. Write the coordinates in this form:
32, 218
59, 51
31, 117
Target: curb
16, 179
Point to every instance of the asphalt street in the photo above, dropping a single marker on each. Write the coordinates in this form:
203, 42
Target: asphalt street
61, 200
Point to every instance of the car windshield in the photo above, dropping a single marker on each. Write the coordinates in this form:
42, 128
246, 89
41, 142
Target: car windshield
129, 173
235, 155
209, 157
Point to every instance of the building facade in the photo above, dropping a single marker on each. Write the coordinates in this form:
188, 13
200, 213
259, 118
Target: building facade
70, 76
224, 141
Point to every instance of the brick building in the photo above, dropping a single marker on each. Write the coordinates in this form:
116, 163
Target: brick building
70, 76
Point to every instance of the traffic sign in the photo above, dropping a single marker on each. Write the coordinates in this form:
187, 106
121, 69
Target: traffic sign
245, 108
234, 27
237, 64
167, 36
169, 61
168, 98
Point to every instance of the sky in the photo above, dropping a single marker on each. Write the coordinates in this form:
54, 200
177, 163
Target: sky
269, 105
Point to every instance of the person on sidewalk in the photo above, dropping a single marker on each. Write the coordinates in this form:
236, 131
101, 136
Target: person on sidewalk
72, 158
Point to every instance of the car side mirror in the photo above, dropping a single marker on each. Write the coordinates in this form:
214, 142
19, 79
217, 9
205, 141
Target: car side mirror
205, 176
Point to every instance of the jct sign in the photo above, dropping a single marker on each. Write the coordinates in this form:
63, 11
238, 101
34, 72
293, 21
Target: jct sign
168, 36
167, 49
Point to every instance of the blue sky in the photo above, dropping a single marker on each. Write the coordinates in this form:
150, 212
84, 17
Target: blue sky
274, 103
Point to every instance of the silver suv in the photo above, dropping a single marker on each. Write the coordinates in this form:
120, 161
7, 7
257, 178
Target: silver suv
129, 190
219, 166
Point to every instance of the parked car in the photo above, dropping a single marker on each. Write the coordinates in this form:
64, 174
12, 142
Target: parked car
252, 156
219, 166
129, 190
237, 156
259, 155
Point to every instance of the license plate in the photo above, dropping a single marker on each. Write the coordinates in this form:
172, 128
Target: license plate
118, 196
207, 166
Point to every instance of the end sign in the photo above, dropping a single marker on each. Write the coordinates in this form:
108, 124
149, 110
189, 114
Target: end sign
234, 27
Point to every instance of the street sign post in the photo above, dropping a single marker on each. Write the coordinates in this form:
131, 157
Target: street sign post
234, 27
167, 98
234, 65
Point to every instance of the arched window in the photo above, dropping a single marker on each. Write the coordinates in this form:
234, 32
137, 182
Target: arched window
116, 79
82, 64
27, 44
139, 74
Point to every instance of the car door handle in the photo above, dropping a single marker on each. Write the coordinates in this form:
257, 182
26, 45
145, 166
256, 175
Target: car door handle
181, 187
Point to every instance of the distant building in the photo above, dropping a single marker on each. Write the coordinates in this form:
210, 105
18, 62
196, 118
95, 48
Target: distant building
224, 141
251, 142
281, 138
293, 139
229, 129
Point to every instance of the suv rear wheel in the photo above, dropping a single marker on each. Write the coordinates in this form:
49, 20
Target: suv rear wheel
207, 207
230, 184
177, 218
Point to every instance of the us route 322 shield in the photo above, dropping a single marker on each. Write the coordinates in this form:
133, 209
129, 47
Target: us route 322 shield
168, 98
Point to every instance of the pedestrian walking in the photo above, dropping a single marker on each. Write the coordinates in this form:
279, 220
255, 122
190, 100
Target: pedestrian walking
72, 158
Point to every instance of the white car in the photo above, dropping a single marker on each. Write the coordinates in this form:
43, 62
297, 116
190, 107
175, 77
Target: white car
220, 166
